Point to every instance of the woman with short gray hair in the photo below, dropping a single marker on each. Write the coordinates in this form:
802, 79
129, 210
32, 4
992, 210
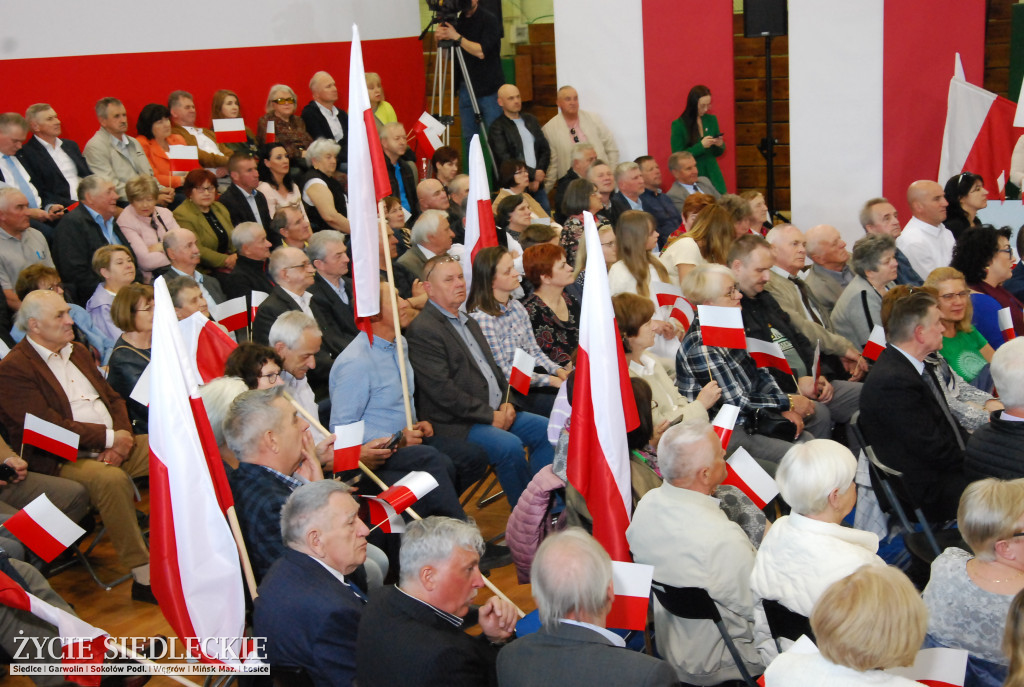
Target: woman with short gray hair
322, 194
859, 308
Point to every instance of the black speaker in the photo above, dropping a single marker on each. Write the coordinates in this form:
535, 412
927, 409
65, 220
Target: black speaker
765, 18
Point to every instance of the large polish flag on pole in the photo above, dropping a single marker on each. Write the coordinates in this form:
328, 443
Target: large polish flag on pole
480, 229
197, 576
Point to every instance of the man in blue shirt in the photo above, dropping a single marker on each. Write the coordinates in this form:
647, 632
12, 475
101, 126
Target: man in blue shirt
654, 201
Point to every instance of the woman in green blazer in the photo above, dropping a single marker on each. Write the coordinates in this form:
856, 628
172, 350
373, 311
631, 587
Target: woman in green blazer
697, 132
209, 220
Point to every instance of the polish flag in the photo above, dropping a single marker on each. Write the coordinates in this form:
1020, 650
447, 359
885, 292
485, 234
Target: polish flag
725, 422
207, 345
1006, 324
82, 645
631, 583
256, 299
876, 343
367, 183
230, 130
938, 667
745, 474
347, 444
50, 437
603, 409
408, 490
722, 326
667, 295
183, 158
480, 229
768, 354
42, 527
384, 516
270, 135
683, 312
231, 314
816, 364
427, 132
522, 372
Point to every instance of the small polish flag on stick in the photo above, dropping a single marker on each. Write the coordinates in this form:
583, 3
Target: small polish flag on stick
939, 667
409, 490
669, 295
230, 130
522, 372
384, 516
750, 478
683, 312
1006, 324
269, 135
724, 422
183, 158
768, 354
722, 326
42, 527
256, 300
50, 437
876, 343
231, 314
347, 444
632, 585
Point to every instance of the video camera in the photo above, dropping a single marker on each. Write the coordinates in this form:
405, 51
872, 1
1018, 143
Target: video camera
446, 11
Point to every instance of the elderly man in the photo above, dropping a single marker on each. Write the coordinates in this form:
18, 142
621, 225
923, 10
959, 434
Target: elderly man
250, 273
458, 191
291, 227
56, 165
631, 184
717, 556
183, 253
807, 315
322, 117
572, 126
212, 155
829, 274
583, 155
13, 131
878, 216
83, 230
683, 168
925, 240
431, 195
332, 291
571, 581
516, 135
661, 207
601, 176
113, 154
401, 172
431, 235
293, 273
903, 411
243, 201
307, 608
438, 581
996, 449
461, 389
186, 296
21, 244
48, 375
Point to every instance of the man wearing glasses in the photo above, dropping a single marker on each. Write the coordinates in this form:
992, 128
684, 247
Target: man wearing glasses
571, 126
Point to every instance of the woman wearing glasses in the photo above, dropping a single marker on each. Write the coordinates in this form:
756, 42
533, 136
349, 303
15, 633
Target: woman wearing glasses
289, 129
257, 365
859, 307
984, 256
965, 194
132, 313
963, 346
209, 220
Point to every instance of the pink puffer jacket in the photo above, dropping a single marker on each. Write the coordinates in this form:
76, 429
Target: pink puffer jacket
530, 520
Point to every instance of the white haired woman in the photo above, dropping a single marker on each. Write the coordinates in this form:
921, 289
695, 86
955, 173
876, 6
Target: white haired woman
322, 194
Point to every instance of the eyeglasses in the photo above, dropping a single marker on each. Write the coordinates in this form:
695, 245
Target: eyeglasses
206, 189
1006, 250
301, 266
575, 138
609, 244
284, 101
439, 261
732, 291
956, 294
54, 287
271, 377
145, 308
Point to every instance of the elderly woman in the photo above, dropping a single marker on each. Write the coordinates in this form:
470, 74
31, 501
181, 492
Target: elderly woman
115, 265
156, 139
276, 182
809, 549
144, 224
965, 194
208, 219
709, 239
968, 596
984, 256
322, 194
132, 313
859, 307
694, 203
257, 365
581, 196
514, 179
963, 346
289, 129
446, 165
760, 210
227, 106
554, 314
863, 624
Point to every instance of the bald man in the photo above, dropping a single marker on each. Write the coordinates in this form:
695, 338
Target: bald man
925, 240
322, 118
517, 135
432, 196
571, 126
829, 274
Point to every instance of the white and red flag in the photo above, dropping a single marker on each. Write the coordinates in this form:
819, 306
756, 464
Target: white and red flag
427, 131
1006, 324
270, 135
230, 130
725, 422
876, 343
480, 230
768, 354
183, 158
232, 314
207, 344
196, 573
383, 516
348, 441
408, 490
81, 643
750, 478
603, 409
631, 583
522, 372
367, 183
816, 363
42, 527
939, 667
722, 326
50, 437
667, 295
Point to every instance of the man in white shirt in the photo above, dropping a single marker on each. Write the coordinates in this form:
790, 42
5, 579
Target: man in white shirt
113, 154
571, 126
212, 155
13, 131
56, 165
20, 244
925, 240
322, 118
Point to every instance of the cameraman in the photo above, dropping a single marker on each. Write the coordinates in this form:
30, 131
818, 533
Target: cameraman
478, 33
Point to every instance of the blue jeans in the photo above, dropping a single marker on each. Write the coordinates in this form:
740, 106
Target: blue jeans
489, 110
505, 451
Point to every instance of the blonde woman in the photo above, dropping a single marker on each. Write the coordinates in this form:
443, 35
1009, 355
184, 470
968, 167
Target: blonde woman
709, 240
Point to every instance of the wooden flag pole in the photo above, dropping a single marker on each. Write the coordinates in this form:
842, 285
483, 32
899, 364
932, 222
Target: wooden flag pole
314, 422
385, 242
243, 552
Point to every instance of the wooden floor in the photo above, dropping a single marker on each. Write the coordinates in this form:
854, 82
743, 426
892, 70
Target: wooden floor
115, 612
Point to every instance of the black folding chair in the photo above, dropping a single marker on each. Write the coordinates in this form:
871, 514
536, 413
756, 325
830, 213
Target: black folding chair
784, 623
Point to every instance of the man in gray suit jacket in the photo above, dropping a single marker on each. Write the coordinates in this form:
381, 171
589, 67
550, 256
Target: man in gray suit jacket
431, 235
112, 153
571, 578
829, 274
683, 167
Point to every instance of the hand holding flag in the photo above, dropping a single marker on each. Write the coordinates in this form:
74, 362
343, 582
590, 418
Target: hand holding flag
725, 422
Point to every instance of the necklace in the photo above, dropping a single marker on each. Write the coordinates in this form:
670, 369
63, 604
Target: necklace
994, 581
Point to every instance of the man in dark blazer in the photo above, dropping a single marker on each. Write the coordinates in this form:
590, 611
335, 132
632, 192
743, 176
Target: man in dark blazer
507, 143
571, 579
81, 231
243, 201
250, 274
182, 250
332, 292
400, 169
431, 235
40, 153
904, 414
459, 387
412, 635
323, 117
307, 609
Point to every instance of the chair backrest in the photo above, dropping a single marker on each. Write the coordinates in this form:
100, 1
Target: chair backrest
785, 623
